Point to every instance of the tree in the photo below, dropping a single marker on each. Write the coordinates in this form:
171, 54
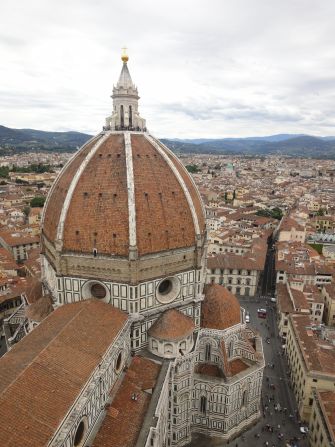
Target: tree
20, 181
26, 211
193, 169
321, 212
37, 202
275, 213
4, 171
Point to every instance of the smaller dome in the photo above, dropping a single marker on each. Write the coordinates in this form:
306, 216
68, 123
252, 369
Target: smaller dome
40, 309
172, 325
220, 308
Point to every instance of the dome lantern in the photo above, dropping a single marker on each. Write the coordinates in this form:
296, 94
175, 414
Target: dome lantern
125, 115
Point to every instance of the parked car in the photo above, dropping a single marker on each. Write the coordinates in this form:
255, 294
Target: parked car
247, 318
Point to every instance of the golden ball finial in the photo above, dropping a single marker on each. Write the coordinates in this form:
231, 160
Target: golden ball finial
124, 55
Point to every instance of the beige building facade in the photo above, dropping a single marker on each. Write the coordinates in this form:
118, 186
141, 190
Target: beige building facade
322, 421
311, 362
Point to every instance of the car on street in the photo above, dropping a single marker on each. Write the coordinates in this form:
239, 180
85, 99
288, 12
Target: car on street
247, 318
261, 313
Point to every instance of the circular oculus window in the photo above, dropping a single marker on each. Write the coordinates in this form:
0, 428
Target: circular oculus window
168, 290
80, 433
98, 291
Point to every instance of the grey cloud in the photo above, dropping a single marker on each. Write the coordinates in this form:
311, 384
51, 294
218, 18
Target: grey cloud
238, 112
245, 64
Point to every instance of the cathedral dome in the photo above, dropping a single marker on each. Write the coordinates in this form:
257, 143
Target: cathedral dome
171, 335
123, 211
121, 192
172, 325
220, 308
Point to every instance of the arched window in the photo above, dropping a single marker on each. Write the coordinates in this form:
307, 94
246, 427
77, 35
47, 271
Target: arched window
231, 349
122, 116
244, 398
208, 352
80, 433
203, 404
168, 348
130, 117
154, 345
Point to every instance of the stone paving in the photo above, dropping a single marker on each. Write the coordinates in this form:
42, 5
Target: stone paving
276, 390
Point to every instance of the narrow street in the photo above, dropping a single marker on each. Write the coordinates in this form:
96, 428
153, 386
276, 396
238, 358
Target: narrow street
268, 280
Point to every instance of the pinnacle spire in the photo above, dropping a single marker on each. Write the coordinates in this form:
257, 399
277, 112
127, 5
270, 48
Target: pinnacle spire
125, 78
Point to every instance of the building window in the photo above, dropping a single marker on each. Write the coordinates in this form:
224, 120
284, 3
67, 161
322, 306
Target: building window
165, 287
208, 352
122, 116
130, 117
203, 404
167, 290
98, 291
154, 345
168, 348
80, 433
118, 362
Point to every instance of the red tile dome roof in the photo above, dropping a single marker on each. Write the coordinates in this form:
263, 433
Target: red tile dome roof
172, 325
220, 308
122, 190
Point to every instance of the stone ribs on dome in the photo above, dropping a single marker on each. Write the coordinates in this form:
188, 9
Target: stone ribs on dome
88, 207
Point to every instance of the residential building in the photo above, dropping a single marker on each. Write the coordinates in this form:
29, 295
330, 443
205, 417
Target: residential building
311, 361
322, 421
328, 294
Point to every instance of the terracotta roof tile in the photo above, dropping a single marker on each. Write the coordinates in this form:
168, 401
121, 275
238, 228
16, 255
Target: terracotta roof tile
191, 188
236, 366
172, 325
43, 374
54, 207
124, 418
98, 213
220, 308
163, 217
208, 370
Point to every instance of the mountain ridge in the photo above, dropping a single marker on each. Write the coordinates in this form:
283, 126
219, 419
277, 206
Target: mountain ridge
30, 140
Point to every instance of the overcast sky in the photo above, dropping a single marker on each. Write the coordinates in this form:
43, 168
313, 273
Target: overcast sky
214, 68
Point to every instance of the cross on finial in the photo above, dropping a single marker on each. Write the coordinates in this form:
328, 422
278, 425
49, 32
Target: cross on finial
124, 56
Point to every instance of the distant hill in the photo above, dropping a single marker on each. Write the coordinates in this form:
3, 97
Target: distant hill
298, 146
27, 140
